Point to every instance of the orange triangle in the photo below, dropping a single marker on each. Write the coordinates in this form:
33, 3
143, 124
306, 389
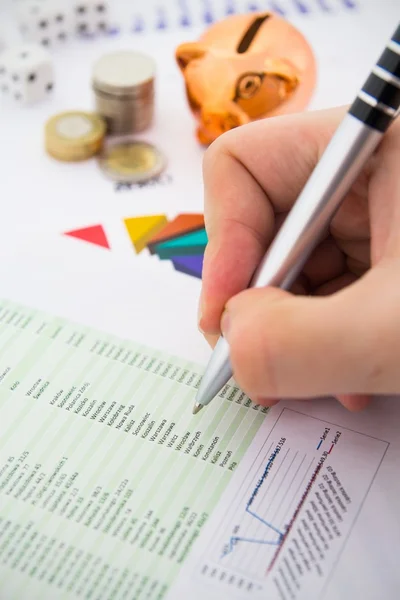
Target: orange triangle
184, 223
94, 234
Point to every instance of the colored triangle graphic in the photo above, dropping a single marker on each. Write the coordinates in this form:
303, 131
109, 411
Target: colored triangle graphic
190, 239
184, 223
94, 234
190, 265
141, 229
191, 243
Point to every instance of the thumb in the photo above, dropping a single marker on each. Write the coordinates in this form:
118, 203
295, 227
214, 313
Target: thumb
285, 346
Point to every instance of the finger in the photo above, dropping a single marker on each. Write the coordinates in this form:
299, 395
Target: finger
250, 174
385, 184
359, 250
266, 401
239, 228
335, 285
292, 346
357, 267
301, 285
354, 402
327, 262
351, 222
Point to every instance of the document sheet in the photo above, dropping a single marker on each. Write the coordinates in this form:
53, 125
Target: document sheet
106, 479
111, 489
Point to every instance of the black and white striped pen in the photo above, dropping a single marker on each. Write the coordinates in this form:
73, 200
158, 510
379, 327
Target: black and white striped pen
374, 109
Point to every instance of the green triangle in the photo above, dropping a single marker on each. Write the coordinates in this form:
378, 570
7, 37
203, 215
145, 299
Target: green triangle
196, 238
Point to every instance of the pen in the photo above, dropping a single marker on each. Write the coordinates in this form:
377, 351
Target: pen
373, 110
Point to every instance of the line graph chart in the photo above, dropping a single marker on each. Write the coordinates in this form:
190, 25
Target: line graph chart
235, 539
293, 509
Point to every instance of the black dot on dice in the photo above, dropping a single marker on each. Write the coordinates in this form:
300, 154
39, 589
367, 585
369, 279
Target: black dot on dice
59, 18
62, 36
24, 55
4, 87
82, 27
15, 77
101, 8
81, 9
2, 70
43, 24
49, 87
46, 42
31, 77
17, 96
102, 26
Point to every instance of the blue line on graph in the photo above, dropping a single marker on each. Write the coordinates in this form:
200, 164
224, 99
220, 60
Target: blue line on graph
276, 8
252, 514
350, 4
319, 445
262, 479
162, 22
207, 15
234, 539
230, 8
301, 7
138, 25
113, 30
185, 15
324, 6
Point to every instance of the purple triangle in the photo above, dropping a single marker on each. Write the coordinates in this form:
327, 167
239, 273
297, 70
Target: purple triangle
190, 265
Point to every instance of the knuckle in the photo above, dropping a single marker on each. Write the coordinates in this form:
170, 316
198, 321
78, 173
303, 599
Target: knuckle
221, 146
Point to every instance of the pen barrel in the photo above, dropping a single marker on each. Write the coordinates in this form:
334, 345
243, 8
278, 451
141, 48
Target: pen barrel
374, 109
378, 101
309, 219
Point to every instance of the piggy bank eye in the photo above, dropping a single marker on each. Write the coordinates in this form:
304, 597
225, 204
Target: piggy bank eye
248, 86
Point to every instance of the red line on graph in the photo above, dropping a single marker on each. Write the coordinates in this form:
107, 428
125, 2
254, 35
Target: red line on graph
299, 507
331, 448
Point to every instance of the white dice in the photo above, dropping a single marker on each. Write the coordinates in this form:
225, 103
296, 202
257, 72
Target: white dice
26, 73
47, 22
91, 16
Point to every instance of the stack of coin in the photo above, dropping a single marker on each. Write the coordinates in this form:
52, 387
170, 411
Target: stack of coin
123, 83
74, 136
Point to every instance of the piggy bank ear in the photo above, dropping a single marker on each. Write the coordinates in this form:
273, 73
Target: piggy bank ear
279, 67
185, 53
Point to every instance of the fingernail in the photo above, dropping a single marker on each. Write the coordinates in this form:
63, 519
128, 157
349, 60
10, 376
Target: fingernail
225, 324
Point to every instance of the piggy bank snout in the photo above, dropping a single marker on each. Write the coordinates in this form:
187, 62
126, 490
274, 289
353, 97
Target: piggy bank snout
215, 123
219, 121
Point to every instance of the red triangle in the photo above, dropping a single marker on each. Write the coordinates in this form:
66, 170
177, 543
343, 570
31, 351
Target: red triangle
94, 235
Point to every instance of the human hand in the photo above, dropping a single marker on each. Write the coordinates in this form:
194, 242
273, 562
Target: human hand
337, 332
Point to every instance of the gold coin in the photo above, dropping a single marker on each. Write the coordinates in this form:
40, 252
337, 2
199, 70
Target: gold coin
74, 135
131, 161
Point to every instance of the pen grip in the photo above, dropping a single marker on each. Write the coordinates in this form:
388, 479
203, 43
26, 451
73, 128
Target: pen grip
378, 101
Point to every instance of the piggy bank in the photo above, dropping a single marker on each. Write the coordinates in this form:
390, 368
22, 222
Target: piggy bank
244, 68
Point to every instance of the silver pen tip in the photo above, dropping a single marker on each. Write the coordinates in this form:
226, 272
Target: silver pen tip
197, 408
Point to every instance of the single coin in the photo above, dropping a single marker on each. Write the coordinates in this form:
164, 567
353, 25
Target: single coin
74, 135
131, 161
